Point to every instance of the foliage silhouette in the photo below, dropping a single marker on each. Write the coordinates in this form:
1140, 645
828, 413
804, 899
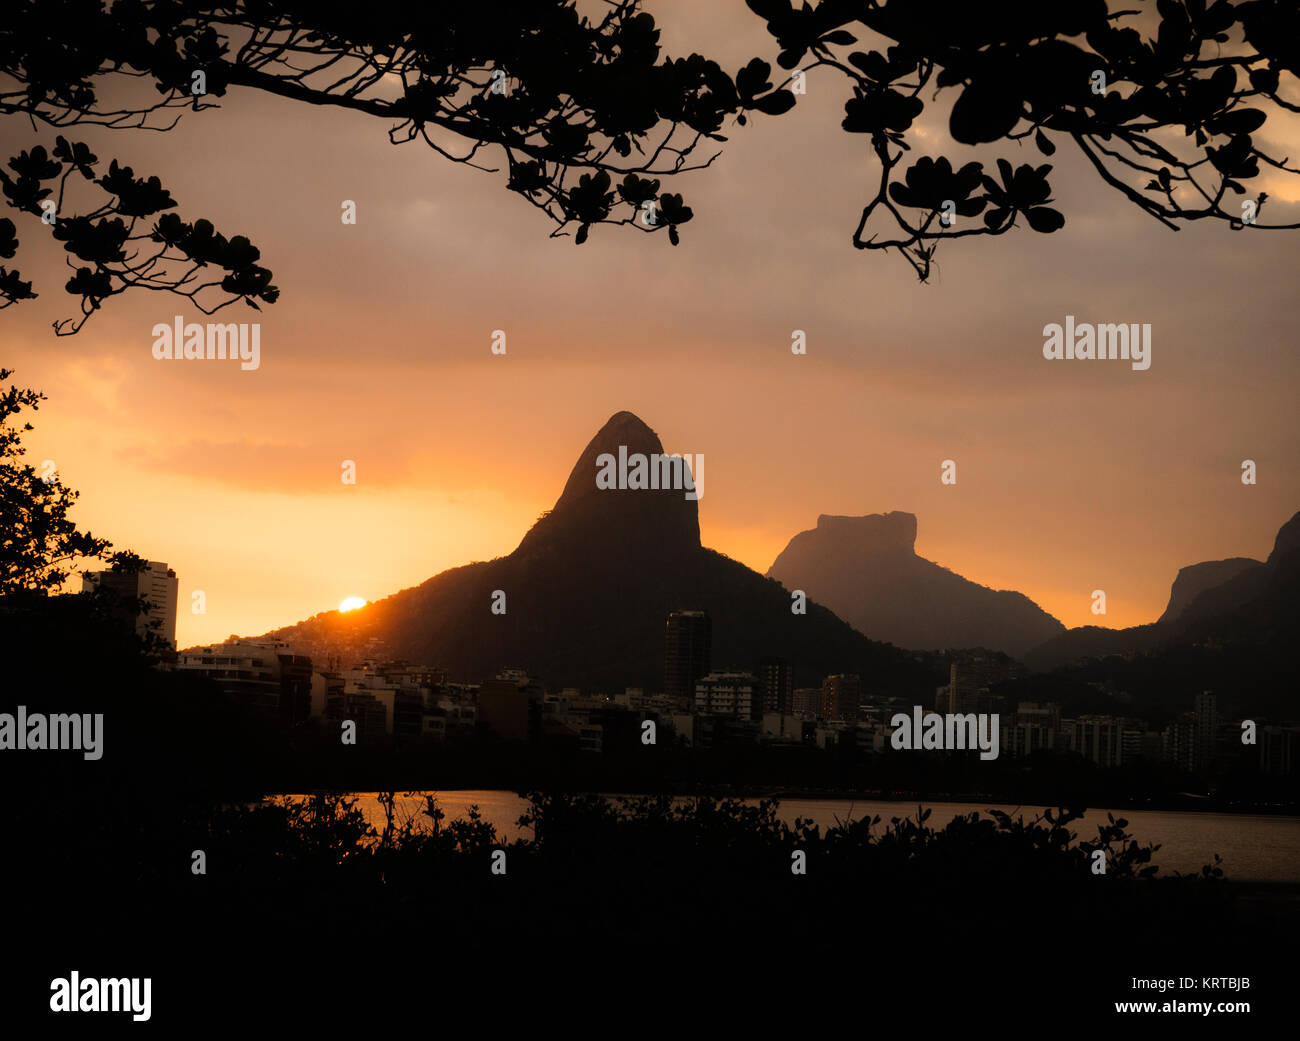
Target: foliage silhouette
640, 873
39, 543
1124, 83
586, 117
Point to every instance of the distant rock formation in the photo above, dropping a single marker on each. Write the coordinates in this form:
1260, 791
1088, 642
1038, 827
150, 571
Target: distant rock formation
1196, 579
866, 570
1238, 600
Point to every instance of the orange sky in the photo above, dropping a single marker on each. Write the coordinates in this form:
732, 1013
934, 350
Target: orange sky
1072, 476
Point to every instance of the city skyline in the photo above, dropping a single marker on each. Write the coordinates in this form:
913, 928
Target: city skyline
401, 703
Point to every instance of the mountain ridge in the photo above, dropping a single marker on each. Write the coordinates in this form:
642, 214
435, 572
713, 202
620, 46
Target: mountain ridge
1238, 598
588, 591
867, 571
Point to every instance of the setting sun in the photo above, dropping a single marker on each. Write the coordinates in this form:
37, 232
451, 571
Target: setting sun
352, 603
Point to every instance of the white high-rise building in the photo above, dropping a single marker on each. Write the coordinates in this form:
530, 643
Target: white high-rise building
156, 583
729, 694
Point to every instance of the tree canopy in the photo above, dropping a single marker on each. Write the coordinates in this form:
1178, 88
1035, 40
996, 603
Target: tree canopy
39, 544
585, 118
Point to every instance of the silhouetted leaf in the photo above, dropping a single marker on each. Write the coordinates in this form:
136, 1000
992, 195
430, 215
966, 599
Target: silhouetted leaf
985, 111
13, 288
1265, 80
1240, 121
754, 79
775, 104
94, 285
76, 155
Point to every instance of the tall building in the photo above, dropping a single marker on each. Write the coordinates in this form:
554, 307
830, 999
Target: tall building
971, 676
1033, 727
729, 694
1205, 718
806, 701
511, 705
1178, 743
1099, 738
778, 684
688, 639
156, 584
262, 674
1279, 750
840, 697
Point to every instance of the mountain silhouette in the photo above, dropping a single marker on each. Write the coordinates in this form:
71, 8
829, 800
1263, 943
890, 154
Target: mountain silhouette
866, 570
588, 592
1238, 600
1196, 579
1258, 605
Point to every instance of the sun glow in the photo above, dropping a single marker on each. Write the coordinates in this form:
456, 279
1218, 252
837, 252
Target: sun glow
352, 603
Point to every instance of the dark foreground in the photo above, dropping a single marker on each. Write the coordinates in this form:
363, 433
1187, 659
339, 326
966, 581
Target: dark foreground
614, 916
690, 918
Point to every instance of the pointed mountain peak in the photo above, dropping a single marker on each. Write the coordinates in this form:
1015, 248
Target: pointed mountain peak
625, 424
622, 430
584, 510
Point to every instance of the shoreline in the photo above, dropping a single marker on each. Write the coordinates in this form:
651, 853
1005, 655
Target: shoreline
1190, 804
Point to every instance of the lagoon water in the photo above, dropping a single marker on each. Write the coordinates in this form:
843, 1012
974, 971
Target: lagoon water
1256, 848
